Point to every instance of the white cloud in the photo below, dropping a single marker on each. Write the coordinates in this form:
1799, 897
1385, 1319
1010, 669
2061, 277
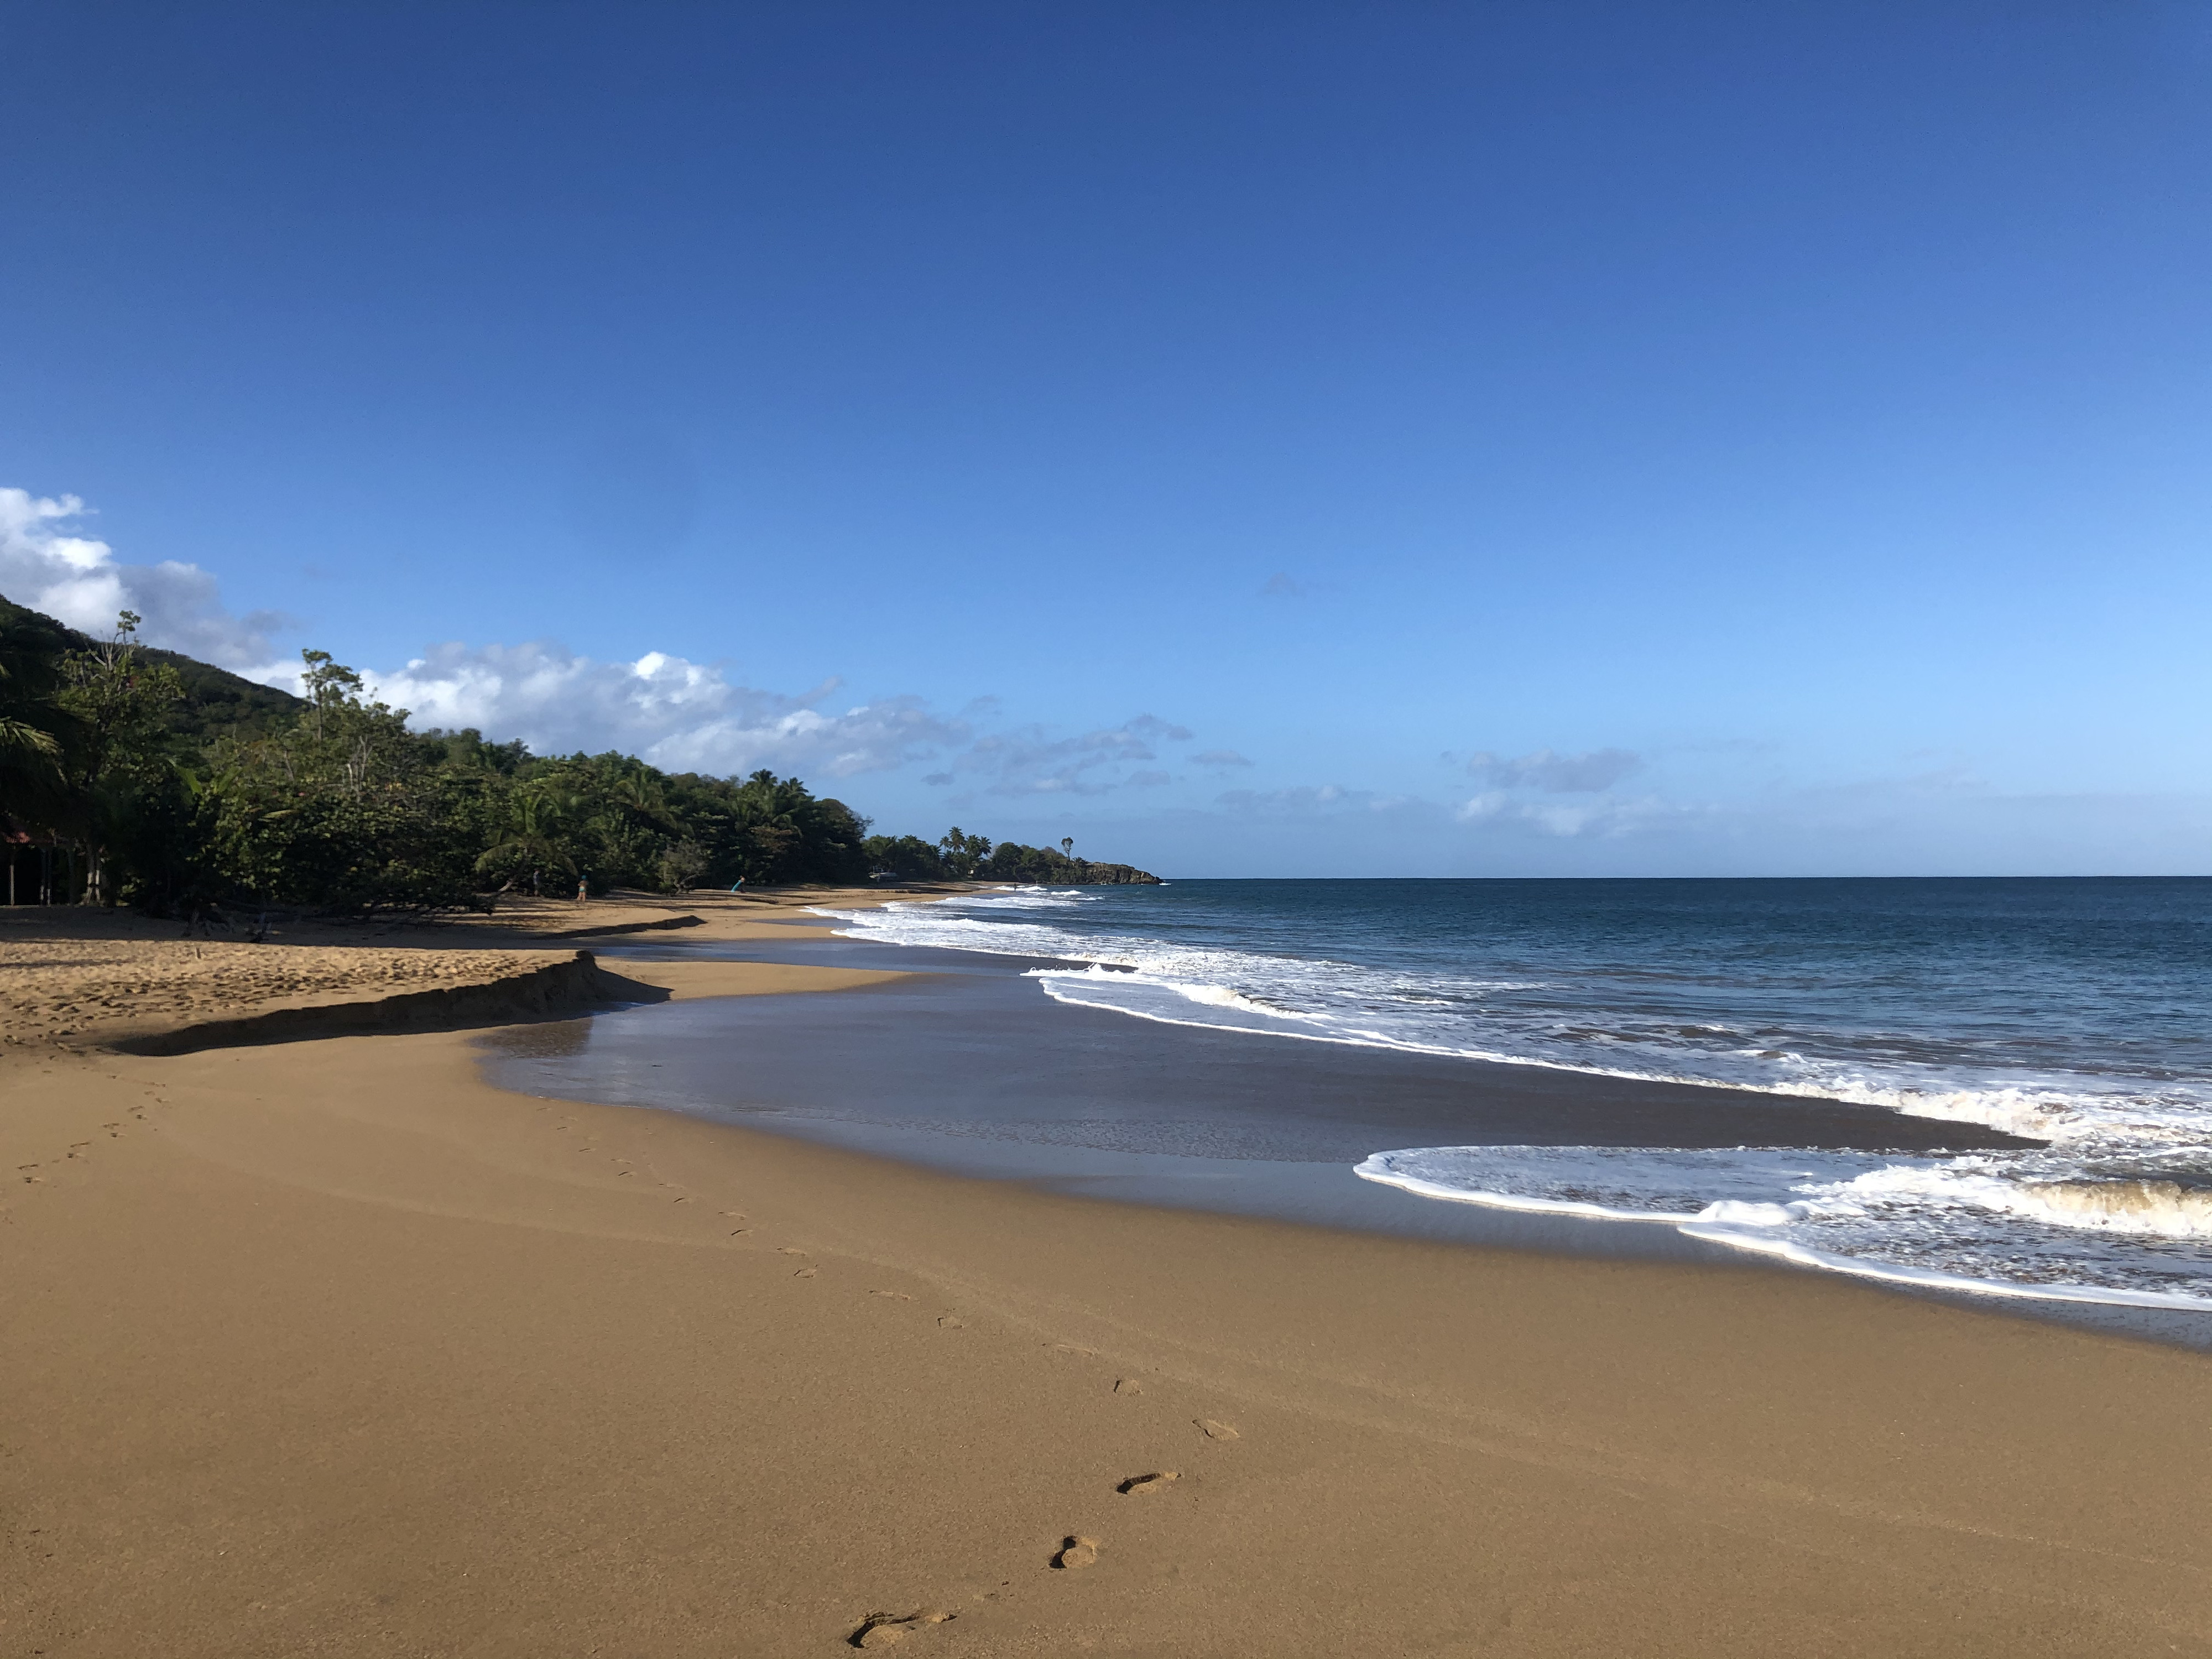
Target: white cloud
681, 716
44, 564
1219, 760
677, 714
1557, 775
1303, 798
1607, 818
1493, 810
1027, 763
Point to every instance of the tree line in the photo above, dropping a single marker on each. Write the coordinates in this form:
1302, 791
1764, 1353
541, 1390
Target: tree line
958, 856
135, 776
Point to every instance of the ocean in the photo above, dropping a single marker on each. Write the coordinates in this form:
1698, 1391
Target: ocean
2073, 1012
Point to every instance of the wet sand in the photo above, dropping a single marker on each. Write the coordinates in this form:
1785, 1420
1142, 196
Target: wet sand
959, 1063
333, 1346
965, 1040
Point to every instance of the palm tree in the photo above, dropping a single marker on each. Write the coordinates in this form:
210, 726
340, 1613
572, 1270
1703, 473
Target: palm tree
773, 815
22, 744
27, 711
535, 815
36, 733
639, 793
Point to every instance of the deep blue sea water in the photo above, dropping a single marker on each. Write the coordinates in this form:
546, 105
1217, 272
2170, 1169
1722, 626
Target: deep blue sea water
2075, 1011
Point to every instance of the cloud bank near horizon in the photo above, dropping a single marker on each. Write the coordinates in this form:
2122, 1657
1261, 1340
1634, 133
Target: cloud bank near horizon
46, 565
1541, 809
1554, 773
686, 716
682, 716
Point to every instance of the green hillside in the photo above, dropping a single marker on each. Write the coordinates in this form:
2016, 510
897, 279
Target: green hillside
215, 699
140, 777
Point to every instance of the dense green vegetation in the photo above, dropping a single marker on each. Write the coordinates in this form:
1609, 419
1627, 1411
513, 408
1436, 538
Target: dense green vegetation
129, 775
962, 857
213, 699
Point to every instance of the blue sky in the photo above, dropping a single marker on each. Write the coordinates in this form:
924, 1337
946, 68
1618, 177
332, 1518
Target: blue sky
1404, 439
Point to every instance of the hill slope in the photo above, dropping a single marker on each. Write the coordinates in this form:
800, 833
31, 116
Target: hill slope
215, 699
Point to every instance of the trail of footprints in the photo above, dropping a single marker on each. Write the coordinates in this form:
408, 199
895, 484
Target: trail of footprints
1075, 1552
28, 1174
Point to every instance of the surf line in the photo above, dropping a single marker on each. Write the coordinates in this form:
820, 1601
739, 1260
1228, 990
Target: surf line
1693, 1226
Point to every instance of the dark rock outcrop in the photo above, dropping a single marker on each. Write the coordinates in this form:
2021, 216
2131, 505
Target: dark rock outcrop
1083, 873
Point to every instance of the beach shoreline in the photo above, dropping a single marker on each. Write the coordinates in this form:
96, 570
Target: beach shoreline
1083, 1100
332, 1346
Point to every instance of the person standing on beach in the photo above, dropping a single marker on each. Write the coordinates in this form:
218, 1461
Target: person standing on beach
580, 890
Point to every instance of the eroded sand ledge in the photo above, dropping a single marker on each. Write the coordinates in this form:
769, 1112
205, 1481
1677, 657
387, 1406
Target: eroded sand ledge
329, 1347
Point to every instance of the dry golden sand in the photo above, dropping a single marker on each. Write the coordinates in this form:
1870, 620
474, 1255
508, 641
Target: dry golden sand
328, 1347
87, 974
65, 988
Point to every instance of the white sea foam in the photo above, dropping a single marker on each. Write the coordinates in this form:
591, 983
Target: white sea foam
1376, 1168
1995, 1223
1865, 1267
2118, 1207
1459, 1015
2033, 1188
2040, 1114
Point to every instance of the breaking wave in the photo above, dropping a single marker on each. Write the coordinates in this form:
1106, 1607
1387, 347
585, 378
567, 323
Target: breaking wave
2114, 1074
2036, 1225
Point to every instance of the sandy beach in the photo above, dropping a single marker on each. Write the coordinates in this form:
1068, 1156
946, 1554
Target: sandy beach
326, 1345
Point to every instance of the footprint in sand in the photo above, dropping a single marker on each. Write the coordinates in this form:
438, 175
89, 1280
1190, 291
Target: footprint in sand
884, 1630
1070, 1348
789, 1249
1217, 1431
1137, 1484
1076, 1551
896, 1296
806, 1272
1128, 1385
740, 1232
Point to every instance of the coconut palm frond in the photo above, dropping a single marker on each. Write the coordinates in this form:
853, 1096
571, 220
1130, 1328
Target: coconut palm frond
21, 737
